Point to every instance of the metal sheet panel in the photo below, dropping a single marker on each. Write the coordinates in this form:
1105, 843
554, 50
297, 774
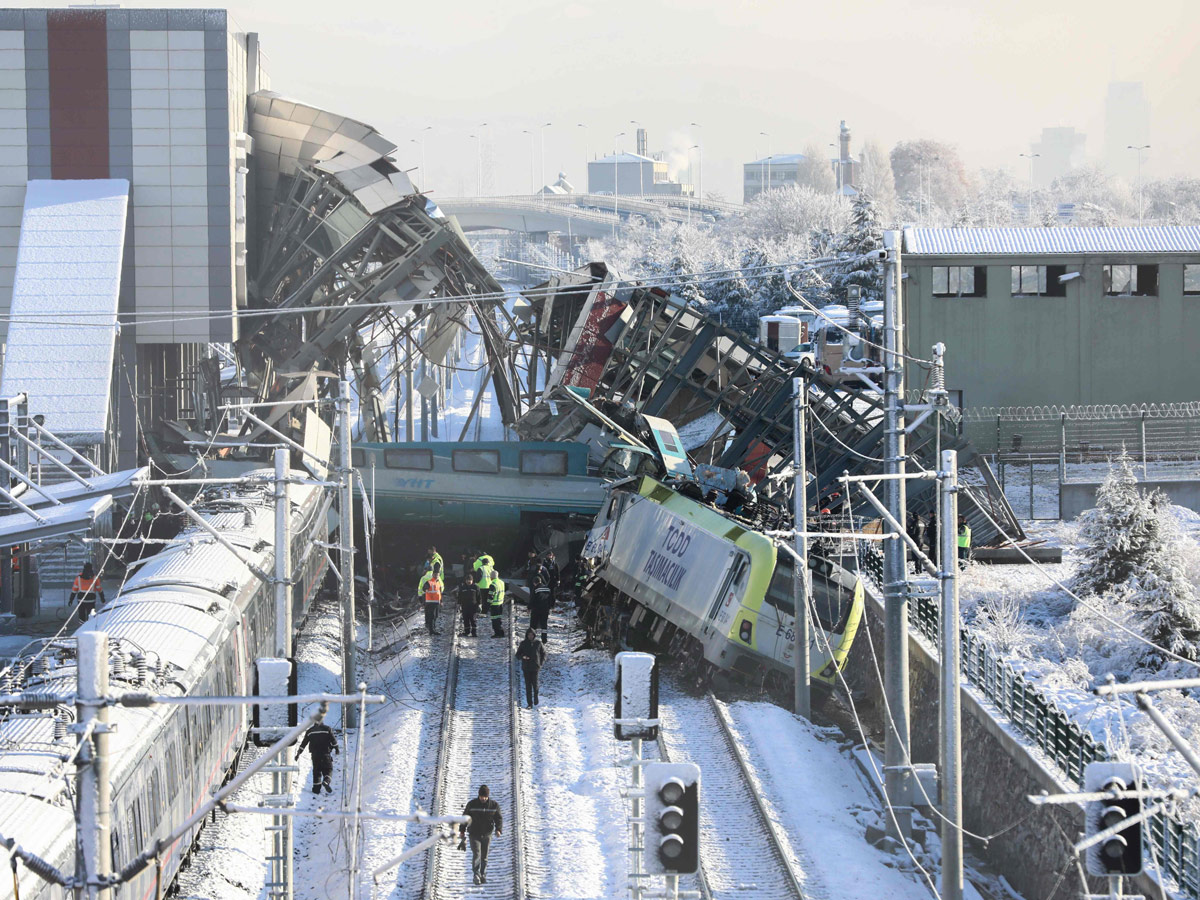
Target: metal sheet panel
1156, 239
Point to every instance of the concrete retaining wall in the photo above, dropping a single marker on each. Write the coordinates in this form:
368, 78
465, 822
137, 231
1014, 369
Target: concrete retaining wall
999, 772
1076, 496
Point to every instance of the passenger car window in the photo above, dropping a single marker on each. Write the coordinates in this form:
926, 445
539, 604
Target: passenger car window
484, 461
543, 462
414, 458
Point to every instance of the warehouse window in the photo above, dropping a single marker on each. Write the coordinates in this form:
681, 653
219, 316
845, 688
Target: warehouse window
543, 462
1191, 279
485, 461
1038, 281
411, 458
959, 281
1131, 281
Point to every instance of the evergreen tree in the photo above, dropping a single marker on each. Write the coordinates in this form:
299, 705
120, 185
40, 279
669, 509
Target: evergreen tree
864, 235
1120, 535
1131, 546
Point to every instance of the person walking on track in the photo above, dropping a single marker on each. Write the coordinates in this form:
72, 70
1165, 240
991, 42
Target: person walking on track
532, 654
86, 588
539, 606
468, 604
553, 574
324, 744
431, 586
496, 606
485, 816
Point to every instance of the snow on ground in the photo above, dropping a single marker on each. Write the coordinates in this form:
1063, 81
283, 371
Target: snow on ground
1066, 649
820, 799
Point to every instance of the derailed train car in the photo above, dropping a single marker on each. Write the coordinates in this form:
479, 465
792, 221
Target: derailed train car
705, 589
191, 621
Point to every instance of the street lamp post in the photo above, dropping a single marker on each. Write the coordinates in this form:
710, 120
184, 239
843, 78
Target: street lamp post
769, 184
530, 133
699, 167
479, 148
478, 165
586, 157
1029, 209
542, 133
700, 164
641, 180
1139, 148
616, 178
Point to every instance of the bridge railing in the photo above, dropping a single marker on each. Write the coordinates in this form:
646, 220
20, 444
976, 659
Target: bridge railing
1174, 843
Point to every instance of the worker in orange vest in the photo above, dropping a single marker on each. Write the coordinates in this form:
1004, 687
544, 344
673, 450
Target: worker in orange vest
86, 589
431, 586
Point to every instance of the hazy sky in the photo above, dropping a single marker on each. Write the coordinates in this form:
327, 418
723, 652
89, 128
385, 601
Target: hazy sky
986, 76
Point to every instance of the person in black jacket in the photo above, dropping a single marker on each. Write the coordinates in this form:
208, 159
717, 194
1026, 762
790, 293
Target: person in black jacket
532, 654
324, 745
532, 565
468, 603
553, 574
484, 813
539, 605
931, 537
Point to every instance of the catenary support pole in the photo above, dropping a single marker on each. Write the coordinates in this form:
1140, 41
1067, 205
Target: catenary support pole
280, 887
802, 702
93, 782
950, 730
895, 595
346, 555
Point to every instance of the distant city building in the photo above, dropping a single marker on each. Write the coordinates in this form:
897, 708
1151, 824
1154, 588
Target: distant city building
634, 173
782, 169
1126, 123
769, 173
1058, 152
847, 171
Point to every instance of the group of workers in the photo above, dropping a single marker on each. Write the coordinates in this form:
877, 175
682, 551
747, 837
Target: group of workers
926, 535
479, 587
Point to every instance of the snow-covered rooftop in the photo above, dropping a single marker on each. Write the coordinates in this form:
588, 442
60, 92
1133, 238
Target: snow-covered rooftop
779, 159
996, 241
62, 335
614, 158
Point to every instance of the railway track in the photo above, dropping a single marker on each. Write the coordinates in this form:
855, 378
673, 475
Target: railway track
479, 744
735, 823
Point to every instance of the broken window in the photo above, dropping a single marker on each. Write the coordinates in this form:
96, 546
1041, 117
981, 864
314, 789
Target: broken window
959, 281
1191, 279
1038, 281
1131, 281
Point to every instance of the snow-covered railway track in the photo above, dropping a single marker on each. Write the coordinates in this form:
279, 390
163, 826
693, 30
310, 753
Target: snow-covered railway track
479, 745
735, 824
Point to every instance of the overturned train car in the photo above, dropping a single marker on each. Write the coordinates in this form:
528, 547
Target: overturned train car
712, 593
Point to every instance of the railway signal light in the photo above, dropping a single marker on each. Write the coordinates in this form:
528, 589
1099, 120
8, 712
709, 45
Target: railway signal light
636, 707
1121, 852
671, 836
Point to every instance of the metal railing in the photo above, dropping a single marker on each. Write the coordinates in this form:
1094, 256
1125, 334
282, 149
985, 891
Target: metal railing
1174, 843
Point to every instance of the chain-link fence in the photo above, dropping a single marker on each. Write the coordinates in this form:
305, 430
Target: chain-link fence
1173, 843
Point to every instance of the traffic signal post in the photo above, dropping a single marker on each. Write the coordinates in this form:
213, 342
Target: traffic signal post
664, 820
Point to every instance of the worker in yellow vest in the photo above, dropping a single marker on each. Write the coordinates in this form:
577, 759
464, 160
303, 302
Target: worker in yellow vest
431, 587
964, 542
496, 606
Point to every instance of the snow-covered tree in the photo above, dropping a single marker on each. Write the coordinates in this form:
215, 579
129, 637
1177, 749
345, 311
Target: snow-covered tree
814, 171
1132, 549
1120, 535
862, 236
877, 180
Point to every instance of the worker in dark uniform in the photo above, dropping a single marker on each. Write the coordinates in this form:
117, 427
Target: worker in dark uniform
485, 818
931, 537
324, 745
539, 605
468, 604
86, 589
532, 565
553, 575
532, 654
916, 533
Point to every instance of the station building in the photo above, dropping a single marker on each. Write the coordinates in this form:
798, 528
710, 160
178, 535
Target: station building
1057, 316
154, 101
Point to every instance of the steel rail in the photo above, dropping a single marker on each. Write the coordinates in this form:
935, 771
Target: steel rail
777, 843
701, 876
443, 758
518, 834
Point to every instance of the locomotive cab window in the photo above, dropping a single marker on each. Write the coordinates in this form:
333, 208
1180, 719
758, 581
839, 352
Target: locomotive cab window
409, 458
543, 462
486, 462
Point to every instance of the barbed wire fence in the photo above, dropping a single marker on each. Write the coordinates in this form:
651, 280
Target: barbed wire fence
1034, 449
